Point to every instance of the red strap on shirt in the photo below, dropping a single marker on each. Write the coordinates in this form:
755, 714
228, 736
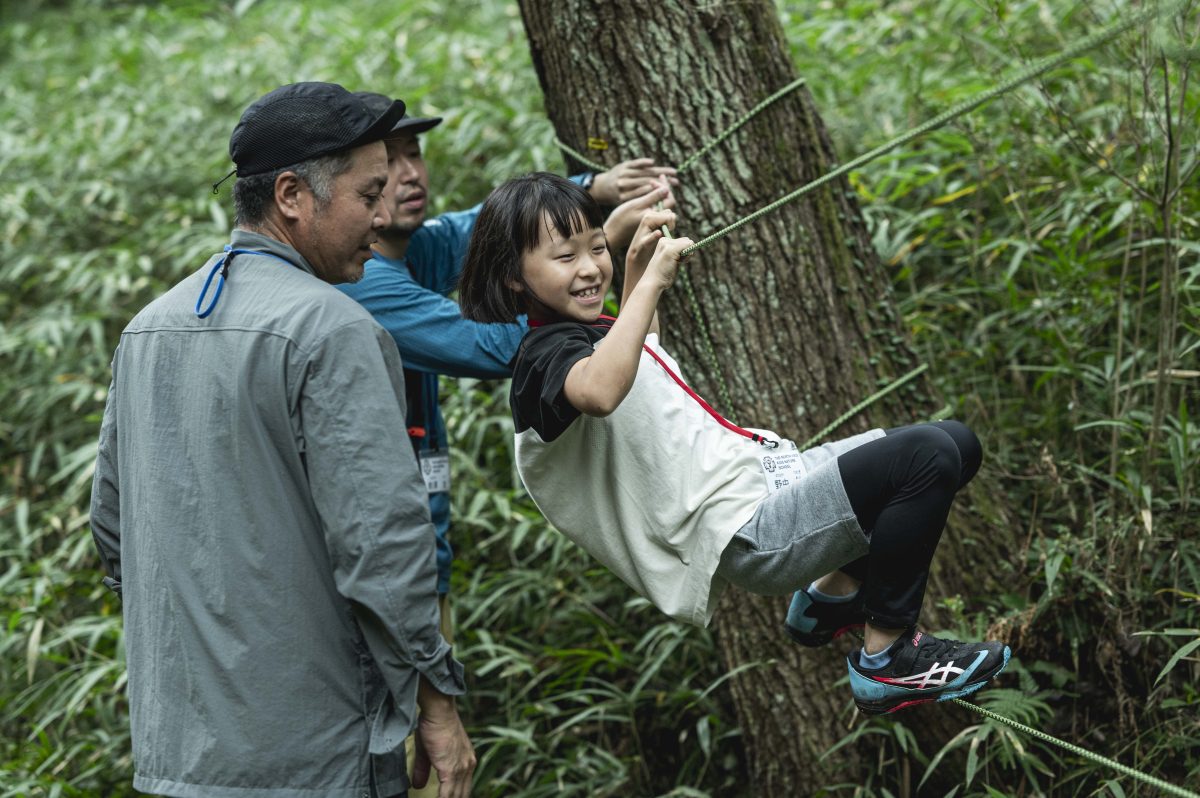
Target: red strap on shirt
724, 422
541, 323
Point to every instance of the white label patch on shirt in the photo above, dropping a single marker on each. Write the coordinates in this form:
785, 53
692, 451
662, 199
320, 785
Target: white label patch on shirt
435, 468
781, 466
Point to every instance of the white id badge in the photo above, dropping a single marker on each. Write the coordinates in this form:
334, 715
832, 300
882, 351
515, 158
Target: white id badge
781, 466
435, 468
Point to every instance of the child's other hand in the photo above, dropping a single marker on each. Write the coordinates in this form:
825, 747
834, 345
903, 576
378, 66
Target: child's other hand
630, 179
622, 223
665, 264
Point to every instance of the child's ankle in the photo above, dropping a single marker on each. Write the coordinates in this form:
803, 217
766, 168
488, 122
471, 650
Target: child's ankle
834, 586
877, 639
817, 594
875, 661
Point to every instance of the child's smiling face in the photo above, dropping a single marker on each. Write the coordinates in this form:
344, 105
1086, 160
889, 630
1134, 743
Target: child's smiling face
567, 278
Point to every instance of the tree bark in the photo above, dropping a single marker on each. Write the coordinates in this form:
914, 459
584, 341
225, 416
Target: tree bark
799, 308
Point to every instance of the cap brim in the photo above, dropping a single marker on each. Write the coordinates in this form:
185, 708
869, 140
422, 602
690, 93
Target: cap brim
381, 128
412, 125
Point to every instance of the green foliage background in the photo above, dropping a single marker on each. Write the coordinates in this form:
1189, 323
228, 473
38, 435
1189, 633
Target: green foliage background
1044, 249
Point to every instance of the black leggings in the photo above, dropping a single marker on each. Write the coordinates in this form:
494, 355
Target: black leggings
901, 487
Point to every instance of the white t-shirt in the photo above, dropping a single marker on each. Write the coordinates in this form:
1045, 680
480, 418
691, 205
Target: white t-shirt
655, 491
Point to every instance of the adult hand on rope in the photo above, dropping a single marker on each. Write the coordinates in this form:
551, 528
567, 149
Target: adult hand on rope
630, 179
623, 222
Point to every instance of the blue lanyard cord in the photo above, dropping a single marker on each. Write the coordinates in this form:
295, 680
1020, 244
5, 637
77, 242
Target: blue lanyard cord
222, 266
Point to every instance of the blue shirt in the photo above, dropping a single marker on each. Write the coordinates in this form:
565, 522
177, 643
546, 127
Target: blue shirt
409, 297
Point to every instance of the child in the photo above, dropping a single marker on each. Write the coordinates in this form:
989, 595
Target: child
625, 460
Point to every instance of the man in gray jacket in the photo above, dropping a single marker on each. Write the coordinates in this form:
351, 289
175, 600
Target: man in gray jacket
255, 501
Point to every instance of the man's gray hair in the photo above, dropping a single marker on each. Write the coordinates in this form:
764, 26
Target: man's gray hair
253, 195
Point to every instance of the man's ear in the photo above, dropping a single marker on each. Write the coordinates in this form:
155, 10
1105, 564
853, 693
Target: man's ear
289, 195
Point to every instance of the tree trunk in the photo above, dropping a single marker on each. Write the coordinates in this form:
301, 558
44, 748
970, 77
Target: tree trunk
798, 306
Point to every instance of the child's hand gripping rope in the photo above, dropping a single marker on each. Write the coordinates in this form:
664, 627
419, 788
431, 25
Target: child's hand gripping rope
664, 265
650, 243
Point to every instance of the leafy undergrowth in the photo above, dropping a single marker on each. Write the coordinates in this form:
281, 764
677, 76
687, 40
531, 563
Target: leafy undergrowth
1044, 250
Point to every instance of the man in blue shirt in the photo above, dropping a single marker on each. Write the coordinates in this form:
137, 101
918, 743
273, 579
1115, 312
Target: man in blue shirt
416, 265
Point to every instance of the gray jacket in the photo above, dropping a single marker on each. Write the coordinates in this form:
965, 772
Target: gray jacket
257, 505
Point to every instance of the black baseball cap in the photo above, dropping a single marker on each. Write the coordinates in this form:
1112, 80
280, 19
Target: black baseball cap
301, 121
407, 125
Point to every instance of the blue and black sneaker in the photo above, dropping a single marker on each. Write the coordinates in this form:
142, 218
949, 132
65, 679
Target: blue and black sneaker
815, 623
925, 668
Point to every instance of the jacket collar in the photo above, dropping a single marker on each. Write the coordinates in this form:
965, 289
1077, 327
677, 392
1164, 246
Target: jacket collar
246, 239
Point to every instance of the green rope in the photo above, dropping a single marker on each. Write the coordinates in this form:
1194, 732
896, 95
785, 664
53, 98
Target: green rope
1032, 71
729, 131
865, 403
1083, 752
583, 159
690, 161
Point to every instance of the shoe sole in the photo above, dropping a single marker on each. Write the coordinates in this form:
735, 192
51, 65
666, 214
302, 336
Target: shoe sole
950, 695
816, 641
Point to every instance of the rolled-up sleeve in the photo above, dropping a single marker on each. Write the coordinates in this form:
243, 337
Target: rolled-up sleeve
372, 503
106, 495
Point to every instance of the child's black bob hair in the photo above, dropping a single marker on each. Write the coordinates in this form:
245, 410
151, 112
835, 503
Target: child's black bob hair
509, 225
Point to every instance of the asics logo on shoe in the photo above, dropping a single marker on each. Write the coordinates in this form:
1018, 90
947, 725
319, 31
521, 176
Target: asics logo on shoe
938, 675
